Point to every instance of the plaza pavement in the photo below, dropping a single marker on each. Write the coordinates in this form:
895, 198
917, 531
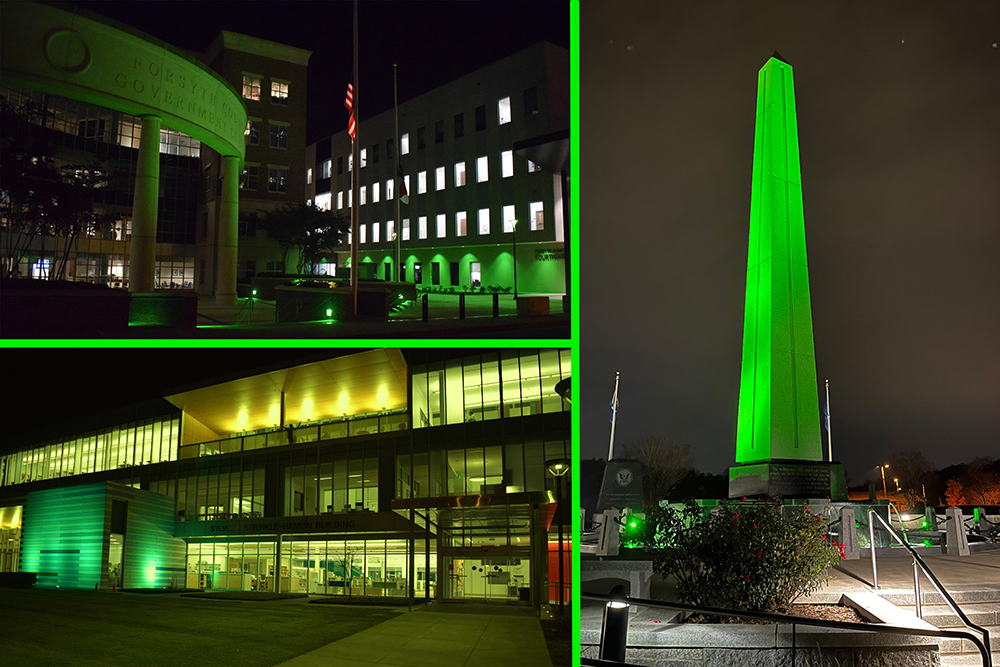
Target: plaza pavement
456, 635
981, 569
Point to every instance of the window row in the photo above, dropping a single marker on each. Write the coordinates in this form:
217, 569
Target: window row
252, 89
536, 212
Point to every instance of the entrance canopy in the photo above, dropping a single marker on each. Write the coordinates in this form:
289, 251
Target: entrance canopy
81, 56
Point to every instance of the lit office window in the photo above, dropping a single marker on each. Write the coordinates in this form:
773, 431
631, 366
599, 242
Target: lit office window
439, 178
422, 227
375, 192
406, 229
421, 182
482, 169
509, 219
251, 87
484, 221
536, 211
507, 164
459, 174
253, 131
375, 226
461, 223
323, 201
389, 189
350, 198
279, 134
390, 230
309, 176
406, 183
503, 110
533, 167
277, 177
279, 93
340, 199
363, 195
404, 144
441, 226
350, 163
364, 158
362, 234
326, 169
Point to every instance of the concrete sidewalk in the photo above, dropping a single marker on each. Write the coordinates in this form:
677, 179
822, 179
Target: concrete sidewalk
443, 637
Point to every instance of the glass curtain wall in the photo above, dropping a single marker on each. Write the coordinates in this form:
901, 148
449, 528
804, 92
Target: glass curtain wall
127, 445
505, 383
362, 568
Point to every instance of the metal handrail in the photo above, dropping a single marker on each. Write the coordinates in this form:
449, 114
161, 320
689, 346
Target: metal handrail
918, 561
793, 620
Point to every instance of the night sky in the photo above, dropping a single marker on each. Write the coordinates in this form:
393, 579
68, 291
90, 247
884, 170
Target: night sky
431, 42
899, 129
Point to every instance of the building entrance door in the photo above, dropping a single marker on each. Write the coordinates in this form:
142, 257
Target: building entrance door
490, 579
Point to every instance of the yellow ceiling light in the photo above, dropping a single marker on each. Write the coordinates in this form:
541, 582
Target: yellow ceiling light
307, 407
344, 402
274, 414
383, 395
241, 419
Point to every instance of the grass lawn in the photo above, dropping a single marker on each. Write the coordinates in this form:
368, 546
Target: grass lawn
85, 628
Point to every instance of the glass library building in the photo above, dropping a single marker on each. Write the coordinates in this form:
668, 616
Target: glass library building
431, 474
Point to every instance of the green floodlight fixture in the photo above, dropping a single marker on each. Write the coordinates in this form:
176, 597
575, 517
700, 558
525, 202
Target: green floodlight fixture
329, 312
253, 293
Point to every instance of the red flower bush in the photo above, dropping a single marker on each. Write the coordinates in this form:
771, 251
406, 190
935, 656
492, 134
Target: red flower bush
778, 554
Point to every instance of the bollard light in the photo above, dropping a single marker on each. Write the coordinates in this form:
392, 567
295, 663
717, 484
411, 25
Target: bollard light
614, 628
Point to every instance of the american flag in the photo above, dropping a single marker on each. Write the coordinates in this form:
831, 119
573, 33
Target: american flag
349, 103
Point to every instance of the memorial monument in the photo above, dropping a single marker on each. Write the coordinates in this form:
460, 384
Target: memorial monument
779, 448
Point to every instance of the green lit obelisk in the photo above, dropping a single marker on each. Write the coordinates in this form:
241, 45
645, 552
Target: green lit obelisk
779, 449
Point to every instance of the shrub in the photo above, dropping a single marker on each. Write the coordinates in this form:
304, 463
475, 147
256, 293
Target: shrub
745, 556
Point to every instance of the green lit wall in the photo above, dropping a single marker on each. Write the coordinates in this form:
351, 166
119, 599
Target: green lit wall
779, 407
63, 536
152, 554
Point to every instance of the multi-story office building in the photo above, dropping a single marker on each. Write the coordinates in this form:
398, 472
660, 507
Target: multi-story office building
271, 78
475, 199
231, 129
376, 473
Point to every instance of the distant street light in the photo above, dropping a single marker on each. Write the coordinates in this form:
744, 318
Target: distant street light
559, 468
883, 467
896, 480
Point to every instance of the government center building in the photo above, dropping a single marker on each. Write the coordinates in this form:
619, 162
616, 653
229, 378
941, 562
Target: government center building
183, 145
379, 473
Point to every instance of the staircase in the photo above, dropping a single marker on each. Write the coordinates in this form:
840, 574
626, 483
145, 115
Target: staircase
980, 603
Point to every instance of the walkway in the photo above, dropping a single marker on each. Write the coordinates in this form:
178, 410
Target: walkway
443, 636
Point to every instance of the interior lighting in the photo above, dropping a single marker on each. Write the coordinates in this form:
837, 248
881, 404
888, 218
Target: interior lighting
383, 394
241, 419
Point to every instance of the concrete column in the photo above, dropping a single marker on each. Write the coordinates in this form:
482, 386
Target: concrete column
958, 542
229, 210
142, 258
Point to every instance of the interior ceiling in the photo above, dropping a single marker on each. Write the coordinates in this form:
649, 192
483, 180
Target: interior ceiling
10, 517
349, 385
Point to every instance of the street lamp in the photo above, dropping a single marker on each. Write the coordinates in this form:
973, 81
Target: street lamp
896, 480
882, 468
559, 468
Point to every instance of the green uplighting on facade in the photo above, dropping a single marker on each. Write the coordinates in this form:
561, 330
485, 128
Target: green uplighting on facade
779, 404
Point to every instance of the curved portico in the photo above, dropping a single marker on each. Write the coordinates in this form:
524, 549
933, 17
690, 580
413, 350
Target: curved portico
81, 56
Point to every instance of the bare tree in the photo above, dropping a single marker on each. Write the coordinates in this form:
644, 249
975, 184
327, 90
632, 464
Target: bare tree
910, 468
981, 486
953, 494
664, 464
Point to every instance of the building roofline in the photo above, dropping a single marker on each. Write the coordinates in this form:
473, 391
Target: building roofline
256, 46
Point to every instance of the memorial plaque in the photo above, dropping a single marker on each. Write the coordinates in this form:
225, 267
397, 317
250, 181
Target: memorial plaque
788, 480
622, 486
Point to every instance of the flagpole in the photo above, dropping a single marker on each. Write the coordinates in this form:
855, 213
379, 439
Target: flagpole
355, 168
614, 418
829, 433
399, 221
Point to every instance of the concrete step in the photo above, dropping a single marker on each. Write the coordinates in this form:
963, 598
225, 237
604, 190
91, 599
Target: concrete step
968, 594
943, 617
968, 660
